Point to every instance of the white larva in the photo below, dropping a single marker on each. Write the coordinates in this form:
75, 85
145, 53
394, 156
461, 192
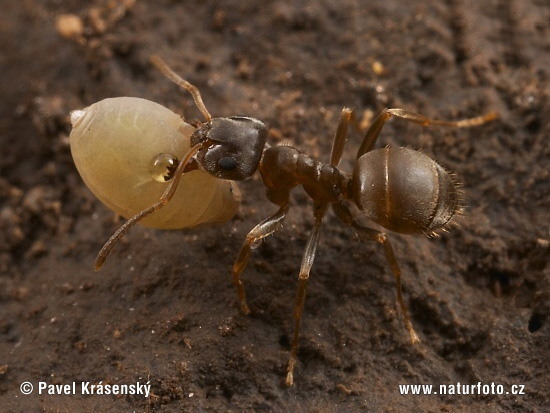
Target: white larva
115, 143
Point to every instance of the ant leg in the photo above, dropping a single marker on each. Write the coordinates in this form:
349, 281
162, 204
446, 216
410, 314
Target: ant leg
267, 227
174, 77
307, 262
344, 214
311, 247
164, 199
382, 118
340, 137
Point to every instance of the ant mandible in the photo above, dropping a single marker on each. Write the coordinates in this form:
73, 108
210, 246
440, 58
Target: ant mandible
401, 189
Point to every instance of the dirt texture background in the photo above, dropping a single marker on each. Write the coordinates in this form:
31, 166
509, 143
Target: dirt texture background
164, 309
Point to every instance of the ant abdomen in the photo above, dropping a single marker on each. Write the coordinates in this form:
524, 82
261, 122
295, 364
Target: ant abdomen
404, 190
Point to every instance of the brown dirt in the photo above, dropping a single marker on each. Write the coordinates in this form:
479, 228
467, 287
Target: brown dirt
164, 309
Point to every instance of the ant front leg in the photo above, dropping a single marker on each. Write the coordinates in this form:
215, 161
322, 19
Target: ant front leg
267, 227
374, 129
373, 235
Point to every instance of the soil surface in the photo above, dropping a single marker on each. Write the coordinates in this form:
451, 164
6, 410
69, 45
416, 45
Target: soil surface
164, 310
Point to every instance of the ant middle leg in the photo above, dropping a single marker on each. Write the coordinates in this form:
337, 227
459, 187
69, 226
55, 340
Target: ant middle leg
305, 268
371, 234
374, 129
320, 209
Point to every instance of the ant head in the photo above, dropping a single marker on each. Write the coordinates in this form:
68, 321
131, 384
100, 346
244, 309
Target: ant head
233, 146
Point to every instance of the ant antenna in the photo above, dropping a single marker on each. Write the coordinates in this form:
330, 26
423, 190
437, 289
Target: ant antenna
164, 199
170, 74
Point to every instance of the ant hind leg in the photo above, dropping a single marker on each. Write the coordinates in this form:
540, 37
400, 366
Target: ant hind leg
340, 137
373, 235
376, 127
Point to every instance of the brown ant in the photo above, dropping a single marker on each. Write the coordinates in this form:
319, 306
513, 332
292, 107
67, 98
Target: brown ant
401, 189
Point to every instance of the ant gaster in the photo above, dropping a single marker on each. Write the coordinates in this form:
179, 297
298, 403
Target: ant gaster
400, 189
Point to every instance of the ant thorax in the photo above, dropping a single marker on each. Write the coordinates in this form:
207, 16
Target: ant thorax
285, 167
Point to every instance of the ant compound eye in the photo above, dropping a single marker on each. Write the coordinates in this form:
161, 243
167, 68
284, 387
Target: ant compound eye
163, 166
227, 163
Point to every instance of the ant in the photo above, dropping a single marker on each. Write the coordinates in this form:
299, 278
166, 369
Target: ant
403, 190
